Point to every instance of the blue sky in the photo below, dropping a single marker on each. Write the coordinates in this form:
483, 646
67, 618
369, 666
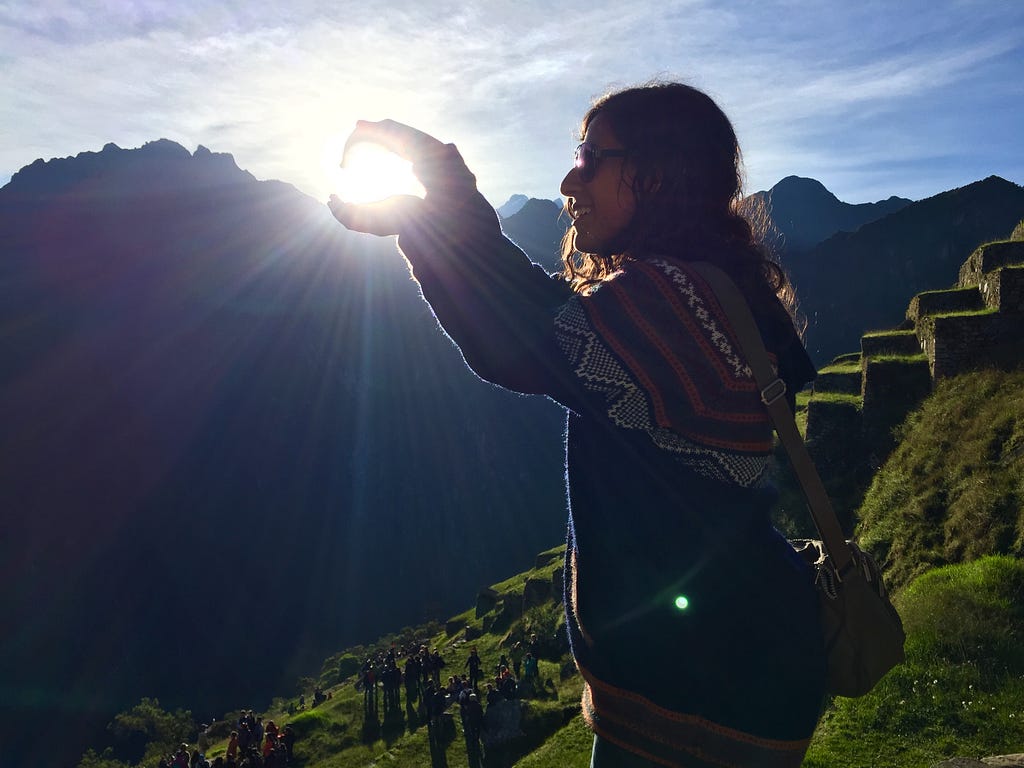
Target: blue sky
872, 98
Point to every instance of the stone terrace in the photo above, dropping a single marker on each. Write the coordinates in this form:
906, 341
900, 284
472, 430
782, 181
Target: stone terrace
976, 324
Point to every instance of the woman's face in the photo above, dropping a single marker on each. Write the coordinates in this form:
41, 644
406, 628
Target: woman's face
603, 207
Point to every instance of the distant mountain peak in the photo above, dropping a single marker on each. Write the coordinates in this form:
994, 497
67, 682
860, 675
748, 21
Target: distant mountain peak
800, 185
804, 212
512, 206
165, 164
165, 147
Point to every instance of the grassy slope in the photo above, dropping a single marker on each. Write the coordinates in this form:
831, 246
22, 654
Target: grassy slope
953, 489
333, 735
961, 691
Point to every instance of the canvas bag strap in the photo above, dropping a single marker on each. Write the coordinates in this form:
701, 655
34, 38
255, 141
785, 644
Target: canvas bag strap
773, 391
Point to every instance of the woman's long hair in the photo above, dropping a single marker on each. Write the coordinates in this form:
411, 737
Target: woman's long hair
687, 181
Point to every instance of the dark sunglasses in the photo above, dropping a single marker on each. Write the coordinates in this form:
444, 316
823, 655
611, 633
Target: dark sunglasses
587, 156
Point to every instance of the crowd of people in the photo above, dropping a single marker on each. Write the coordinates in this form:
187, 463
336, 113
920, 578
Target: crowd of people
430, 694
252, 744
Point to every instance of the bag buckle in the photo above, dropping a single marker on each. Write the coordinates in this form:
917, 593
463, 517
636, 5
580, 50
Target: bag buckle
773, 392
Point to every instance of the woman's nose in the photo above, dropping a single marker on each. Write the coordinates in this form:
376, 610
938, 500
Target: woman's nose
570, 183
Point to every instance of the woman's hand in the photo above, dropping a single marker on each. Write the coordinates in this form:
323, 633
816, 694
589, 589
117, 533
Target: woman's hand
438, 166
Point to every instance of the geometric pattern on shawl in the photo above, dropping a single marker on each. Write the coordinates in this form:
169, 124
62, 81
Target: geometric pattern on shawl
654, 346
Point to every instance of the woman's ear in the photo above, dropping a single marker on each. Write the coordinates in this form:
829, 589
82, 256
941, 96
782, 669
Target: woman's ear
653, 184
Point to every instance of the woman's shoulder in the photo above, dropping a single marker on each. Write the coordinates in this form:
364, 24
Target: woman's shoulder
668, 288
660, 275
665, 307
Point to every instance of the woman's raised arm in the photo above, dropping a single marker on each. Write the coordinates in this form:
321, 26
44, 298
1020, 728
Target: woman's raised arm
494, 303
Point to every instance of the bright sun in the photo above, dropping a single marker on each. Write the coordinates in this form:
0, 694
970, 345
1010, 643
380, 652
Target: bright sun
371, 173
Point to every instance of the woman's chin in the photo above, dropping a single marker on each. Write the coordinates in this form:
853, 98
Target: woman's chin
584, 243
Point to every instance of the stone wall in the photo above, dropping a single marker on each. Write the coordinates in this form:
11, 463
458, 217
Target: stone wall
1003, 289
892, 388
988, 258
892, 343
964, 343
844, 434
840, 381
833, 432
939, 302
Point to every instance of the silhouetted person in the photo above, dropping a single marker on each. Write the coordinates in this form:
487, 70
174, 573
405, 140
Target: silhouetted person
668, 440
474, 665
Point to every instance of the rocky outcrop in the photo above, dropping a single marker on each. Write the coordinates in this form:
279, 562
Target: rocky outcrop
536, 592
486, 600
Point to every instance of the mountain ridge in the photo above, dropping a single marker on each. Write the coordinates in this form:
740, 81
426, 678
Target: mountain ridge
49, 176
804, 212
854, 282
192, 356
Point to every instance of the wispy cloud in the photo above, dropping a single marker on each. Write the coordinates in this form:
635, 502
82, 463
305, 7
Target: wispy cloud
841, 93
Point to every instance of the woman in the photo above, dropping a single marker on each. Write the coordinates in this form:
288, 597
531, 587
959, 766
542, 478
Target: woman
691, 620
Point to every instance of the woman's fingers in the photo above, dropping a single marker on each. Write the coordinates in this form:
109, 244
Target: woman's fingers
438, 166
405, 141
382, 218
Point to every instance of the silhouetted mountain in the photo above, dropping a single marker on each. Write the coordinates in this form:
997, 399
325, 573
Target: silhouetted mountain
511, 206
804, 213
233, 440
538, 228
855, 282
515, 204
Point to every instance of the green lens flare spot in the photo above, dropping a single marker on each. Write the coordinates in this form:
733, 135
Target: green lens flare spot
682, 602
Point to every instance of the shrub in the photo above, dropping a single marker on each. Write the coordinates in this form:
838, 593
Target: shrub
348, 665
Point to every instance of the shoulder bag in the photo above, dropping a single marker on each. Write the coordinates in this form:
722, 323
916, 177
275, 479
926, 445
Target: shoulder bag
863, 633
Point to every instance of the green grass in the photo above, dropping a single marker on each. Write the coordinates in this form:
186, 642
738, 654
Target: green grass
953, 490
940, 291
966, 313
333, 735
802, 398
839, 398
893, 358
568, 748
849, 367
960, 692
876, 334
846, 357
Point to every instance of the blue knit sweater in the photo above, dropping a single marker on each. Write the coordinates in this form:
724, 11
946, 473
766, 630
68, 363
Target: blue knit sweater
692, 620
